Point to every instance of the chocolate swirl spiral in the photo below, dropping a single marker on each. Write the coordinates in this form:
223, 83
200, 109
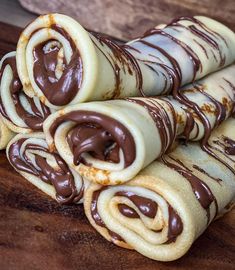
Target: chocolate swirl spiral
20, 112
30, 156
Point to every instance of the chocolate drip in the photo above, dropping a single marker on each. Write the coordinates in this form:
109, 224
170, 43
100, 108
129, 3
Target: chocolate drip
33, 120
59, 91
220, 108
230, 146
190, 124
209, 39
220, 114
96, 133
196, 21
62, 179
175, 65
175, 225
194, 58
125, 59
208, 36
218, 180
161, 119
201, 189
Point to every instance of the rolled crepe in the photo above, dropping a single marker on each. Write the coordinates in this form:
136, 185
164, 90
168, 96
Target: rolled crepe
111, 141
29, 155
166, 207
62, 63
20, 113
5, 135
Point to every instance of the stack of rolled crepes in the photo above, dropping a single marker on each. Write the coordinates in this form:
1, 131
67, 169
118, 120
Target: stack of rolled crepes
153, 168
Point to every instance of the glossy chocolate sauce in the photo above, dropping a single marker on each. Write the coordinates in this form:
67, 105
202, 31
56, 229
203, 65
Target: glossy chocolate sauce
33, 120
146, 206
161, 119
201, 190
122, 59
62, 179
190, 124
209, 36
95, 134
220, 114
175, 225
218, 180
96, 217
59, 91
197, 65
227, 145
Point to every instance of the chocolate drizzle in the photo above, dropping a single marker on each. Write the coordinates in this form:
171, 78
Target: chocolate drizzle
161, 119
59, 91
194, 58
201, 190
227, 145
33, 120
208, 36
62, 178
199, 30
179, 95
126, 61
220, 114
99, 135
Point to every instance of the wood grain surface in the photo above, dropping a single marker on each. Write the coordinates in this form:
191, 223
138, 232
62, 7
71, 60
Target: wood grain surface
128, 18
37, 234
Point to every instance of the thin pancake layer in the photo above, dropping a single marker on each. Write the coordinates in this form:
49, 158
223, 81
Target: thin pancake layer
168, 205
62, 63
30, 156
5, 135
20, 113
111, 141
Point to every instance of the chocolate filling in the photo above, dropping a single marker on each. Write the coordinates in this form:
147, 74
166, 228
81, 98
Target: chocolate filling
146, 206
33, 120
96, 217
62, 179
59, 91
99, 135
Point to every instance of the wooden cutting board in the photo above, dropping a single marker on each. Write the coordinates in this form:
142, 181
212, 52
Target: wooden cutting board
37, 234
